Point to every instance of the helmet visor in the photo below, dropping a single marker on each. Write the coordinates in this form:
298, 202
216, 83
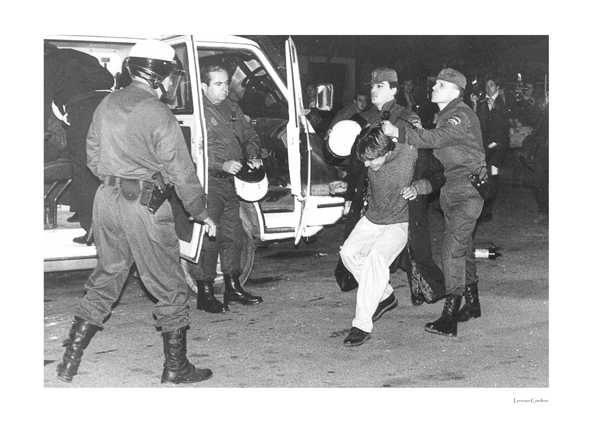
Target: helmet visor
170, 86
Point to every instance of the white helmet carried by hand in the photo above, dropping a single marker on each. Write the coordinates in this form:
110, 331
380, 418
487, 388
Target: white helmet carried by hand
251, 184
155, 62
342, 137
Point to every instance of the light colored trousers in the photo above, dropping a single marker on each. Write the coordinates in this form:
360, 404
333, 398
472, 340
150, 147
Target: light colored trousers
367, 253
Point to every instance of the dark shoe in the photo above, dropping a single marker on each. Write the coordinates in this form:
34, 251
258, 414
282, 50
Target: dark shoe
206, 300
356, 337
384, 306
84, 240
75, 218
80, 335
447, 324
471, 308
235, 293
177, 368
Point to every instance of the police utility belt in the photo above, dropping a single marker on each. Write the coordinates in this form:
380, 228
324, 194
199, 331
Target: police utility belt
152, 194
219, 174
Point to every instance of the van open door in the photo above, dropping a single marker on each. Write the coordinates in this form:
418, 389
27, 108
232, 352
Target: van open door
298, 141
188, 111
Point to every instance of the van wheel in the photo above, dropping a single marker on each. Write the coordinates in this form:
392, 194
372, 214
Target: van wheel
192, 271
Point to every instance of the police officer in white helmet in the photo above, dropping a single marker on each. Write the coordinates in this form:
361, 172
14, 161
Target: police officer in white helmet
134, 137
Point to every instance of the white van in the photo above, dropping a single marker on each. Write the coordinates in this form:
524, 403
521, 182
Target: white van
297, 203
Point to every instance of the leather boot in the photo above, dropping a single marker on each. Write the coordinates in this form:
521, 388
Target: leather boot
235, 293
80, 335
177, 368
471, 308
206, 300
447, 324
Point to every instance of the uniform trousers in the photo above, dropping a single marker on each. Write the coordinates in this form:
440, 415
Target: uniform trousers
461, 205
223, 206
367, 253
125, 231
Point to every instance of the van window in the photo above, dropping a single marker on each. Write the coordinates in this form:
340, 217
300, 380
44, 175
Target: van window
184, 99
250, 84
261, 101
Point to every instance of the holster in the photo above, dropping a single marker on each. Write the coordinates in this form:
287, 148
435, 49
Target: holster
159, 193
147, 190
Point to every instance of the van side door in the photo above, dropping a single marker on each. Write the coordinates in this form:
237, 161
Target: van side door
187, 109
298, 140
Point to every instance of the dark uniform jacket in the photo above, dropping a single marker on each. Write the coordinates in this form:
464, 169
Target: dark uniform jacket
456, 141
133, 135
226, 123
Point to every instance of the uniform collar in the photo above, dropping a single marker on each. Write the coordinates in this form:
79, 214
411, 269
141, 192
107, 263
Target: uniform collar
389, 105
451, 104
145, 87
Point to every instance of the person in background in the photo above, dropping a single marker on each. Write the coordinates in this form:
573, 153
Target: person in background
495, 114
405, 97
358, 106
76, 83
232, 144
134, 136
530, 106
541, 181
381, 234
457, 143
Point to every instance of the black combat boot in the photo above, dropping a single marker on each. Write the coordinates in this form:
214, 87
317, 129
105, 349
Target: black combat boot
177, 368
471, 308
206, 300
447, 324
235, 293
80, 335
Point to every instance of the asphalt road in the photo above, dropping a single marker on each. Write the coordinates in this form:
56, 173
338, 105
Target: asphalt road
295, 337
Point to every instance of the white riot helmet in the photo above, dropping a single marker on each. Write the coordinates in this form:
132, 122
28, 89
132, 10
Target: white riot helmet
342, 137
155, 62
251, 184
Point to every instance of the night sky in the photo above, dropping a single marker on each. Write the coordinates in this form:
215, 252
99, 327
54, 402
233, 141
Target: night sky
425, 55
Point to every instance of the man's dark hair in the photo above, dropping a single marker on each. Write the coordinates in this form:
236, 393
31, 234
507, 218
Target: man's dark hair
393, 84
493, 78
208, 68
372, 143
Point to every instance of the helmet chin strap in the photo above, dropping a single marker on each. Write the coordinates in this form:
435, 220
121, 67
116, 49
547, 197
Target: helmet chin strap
159, 86
156, 85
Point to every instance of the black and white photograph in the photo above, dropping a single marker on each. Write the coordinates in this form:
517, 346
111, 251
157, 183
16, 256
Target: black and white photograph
301, 212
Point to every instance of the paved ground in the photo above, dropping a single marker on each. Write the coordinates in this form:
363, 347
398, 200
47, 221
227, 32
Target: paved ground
294, 338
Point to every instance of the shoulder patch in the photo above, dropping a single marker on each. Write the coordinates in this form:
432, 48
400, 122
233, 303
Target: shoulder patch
454, 120
213, 121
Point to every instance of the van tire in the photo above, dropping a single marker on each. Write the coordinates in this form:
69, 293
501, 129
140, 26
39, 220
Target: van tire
246, 263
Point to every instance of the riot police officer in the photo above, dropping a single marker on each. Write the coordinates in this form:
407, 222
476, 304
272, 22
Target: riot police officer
134, 136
